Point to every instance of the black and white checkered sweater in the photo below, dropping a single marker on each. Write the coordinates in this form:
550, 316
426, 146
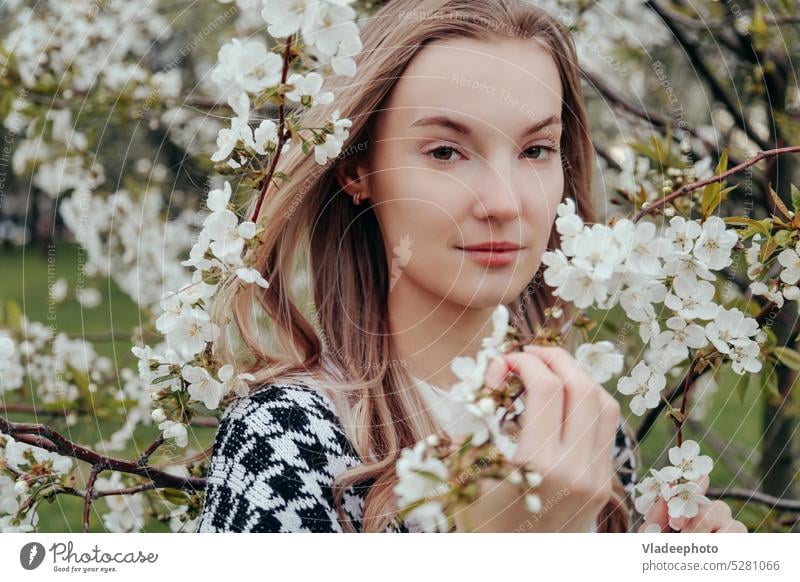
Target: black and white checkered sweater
276, 454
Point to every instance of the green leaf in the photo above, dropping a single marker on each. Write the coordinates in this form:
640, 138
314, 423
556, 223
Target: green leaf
432, 476
770, 388
175, 496
465, 445
779, 203
13, 316
282, 176
783, 238
6, 104
795, 199
713, 193
763, 227
788, 357
742, 387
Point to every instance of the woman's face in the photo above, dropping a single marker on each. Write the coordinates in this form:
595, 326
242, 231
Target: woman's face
467, 152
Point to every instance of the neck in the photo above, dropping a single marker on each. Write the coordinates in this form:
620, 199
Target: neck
430, 332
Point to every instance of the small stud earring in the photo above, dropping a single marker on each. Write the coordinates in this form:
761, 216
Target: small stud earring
357, 198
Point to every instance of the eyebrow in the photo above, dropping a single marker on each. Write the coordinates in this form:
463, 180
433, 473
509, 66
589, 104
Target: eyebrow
444, 121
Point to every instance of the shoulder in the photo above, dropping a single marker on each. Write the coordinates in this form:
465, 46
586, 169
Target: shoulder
276, 454
290, 406
290, 420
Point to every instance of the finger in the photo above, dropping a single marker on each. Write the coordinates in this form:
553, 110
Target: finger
678, 523
709, 518
657, 514
733, 527
703, 482
580, 405
496, 372
544, 398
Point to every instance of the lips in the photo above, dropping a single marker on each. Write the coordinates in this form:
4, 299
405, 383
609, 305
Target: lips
492, 247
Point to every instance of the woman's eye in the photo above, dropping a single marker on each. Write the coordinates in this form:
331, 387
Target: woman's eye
541, 148
444, 152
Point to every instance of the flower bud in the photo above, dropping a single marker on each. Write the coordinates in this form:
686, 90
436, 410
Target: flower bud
534, 478
432, 440
533, 503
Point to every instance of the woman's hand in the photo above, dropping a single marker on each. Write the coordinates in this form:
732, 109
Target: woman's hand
567, 433
714, 517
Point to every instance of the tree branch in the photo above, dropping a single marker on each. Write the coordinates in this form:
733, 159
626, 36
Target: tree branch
718, 178
43, 436
747, 495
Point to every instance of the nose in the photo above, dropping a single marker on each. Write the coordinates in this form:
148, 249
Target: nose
498, 194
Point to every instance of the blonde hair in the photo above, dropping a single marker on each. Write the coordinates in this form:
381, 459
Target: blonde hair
311, 223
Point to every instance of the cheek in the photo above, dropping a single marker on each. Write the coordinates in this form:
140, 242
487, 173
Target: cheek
543, 201
419, 201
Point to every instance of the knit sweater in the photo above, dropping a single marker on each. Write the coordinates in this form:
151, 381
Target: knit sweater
276, 454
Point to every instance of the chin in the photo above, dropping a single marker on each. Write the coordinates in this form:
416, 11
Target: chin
484, 296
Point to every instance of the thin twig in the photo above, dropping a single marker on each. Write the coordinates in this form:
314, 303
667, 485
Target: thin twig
282, 134
88, 497
748, 495
718, 178
150, 450
689, 377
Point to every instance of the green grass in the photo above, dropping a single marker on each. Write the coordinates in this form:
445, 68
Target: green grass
28, 273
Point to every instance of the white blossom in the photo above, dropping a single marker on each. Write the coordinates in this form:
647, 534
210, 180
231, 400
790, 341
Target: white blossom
250, 275
680, 337
175, 430
189, 331
203, 387
754, 266
422, 477
715, 243
127, 512
500, 318
688, 459
683, 233
333, 141
234, 383
730, 325
684, 500
692, 299
645, 385
247, 67
307, 90
790, 260
600, 359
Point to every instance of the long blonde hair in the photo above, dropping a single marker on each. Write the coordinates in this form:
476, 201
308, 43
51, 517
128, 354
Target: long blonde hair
338, 338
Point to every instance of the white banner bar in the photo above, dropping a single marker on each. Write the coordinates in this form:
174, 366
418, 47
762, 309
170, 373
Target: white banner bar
406, 557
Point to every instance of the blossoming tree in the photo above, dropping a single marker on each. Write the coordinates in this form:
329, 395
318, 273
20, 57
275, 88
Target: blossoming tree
662, 265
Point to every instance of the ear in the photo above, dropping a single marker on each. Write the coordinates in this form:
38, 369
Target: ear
351, 175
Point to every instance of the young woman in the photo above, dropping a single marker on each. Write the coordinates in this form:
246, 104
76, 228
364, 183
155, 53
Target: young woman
468, 129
